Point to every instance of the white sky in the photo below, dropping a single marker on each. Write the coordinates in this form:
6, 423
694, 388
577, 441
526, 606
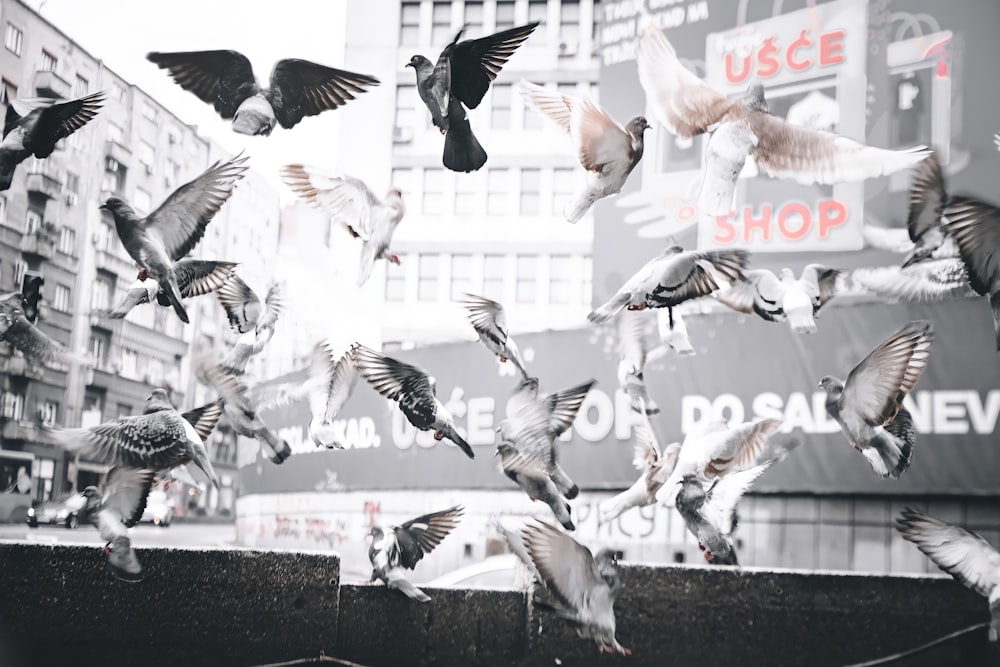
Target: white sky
121, 32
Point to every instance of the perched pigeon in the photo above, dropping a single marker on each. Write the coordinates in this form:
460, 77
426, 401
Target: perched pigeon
710, 513
959, 552
868, 405
462, 75
633, 353
352, 203
169, 233
687, 106
718, 450
394, 548
413, 390
25, 336
158, 439
582, 587
116, 506
298, 88
926, 280
328, 385
241, 409
673, 332
789, 299
975, 227
656, 469
489, 319
672, 278
245, 311
608, 151
33, 126
923, 224
194, 278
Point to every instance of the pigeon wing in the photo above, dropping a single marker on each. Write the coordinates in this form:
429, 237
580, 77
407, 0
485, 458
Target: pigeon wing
239, 301
196, 277
927, 198
205, 418
223, 79
426, 532
563, 405
35, 344
61, 120
397, 381
923, 281
725, 495
975, 226
301, 88
550, 103
758, 291
125, 492
822, 283
693, 274
348, 200
340, 375
488, 317
600, 140
566, 567
145, 441
475, 63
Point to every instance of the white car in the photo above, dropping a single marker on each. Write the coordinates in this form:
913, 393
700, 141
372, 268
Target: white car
503, 572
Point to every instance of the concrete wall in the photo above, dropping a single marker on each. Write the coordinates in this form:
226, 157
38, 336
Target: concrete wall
245, 607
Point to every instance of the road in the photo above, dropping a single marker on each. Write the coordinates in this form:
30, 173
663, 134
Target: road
144, 535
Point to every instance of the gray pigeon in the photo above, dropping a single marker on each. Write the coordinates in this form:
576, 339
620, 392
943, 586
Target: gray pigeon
489, 319
114, 508
608, 151
528, 466
928, 199
414, 392
582, 587
169, 233
298, 88
33, 126
975, 227
959, 552
868, 405
460, 79
672, 278
352, 203
25, 336
633, 354
158, 439
194, 278
743, 128
394, 548
244, 309
710, 513
783, 299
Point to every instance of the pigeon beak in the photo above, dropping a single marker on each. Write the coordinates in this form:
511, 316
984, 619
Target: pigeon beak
103, 207
408, 65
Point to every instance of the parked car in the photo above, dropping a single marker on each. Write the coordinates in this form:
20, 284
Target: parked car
503, 572
63, 511
159, 509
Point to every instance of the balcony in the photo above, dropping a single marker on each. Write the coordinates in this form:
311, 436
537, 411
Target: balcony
117, 152
45, 185
50, 84
20, 367
38, 244
109, 261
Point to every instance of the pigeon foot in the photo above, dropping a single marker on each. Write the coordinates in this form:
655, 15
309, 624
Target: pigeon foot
438, 435
143, 274
394, 258
709, 556
641, 306
106, 548
503, 359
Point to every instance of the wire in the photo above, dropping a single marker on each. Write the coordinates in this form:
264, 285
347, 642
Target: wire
905, 654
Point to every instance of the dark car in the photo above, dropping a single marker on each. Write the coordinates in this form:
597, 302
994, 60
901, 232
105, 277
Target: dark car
64, 511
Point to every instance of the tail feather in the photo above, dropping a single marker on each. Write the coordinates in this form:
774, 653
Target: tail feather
566, 486
610, 309
368, 256
578, 206
173, 293
399, 582
453, 435
894, 447
462, 151
801, 320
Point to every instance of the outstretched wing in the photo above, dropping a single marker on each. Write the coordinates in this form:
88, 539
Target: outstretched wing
426, 532
476, 62
224, 79
125, 492
301, 88
348, 200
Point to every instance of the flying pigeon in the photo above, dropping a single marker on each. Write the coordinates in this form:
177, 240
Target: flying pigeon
789, 299
928, 198
633, 354
31, 290
975, 227
298, 88
927, 280
687, 107
169, 233
396, 547
718, 450
582, 587
413, 390
158, 439
868, 405
710, 513
356, 207
329, 383
672, 278
15, 328
656, 469
245, 311
462, 75
673, 332
608, 151
489, 319
194, 278
33, 126
959, 552
241, 409
116, 506
531, 470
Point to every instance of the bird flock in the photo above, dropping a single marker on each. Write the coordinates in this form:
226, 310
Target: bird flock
704, 476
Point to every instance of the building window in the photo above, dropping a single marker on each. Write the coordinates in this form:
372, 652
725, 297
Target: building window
561, 279
60, 299
531, 191
49, 62
407, 113
172, 176
461, 276
563, 187
100, 295
433, 191
569, 25
99, 344
72, 182
12, 39
409, 24
13, 406
427, 277
142, 201
3, 209
501, 106
146, 156
149, 112
20, 268
117, 91
67, 241
395, 283
493, 270
9, 90
466, 201
505, 14
116, 134
496, 196
48, 412
130, 363
527, 278
474, 18
154, 372
32, 222
538, 10
81, 86
441, 24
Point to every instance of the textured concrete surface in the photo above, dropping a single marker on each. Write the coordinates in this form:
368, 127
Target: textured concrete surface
246, 607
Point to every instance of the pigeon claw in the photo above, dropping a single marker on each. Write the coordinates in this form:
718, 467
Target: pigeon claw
143, 274
106, 548
394, 258
709, 556
438, 435
503, 359
641, 306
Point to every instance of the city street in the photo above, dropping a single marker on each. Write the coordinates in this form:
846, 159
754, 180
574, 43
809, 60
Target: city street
144, 535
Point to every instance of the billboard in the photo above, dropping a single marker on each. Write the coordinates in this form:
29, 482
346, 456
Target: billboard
744, 368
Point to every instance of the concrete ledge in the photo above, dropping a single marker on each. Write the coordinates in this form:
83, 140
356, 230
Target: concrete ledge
245, 607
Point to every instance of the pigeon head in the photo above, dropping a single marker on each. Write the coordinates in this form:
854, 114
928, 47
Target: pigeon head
637, 126
754, 98
786, 274
376, 533
159, 399
117, 206
832, 385
529, 386
420, 64
691, 493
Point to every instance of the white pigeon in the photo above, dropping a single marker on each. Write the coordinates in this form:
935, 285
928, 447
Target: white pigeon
791, 299
489, 319
673, 331
353, 204
634, 352
687, 106
608, 151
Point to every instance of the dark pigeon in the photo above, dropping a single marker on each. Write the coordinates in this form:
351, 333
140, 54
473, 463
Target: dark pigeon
25, 336
115, 507
975, 227
395, 548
